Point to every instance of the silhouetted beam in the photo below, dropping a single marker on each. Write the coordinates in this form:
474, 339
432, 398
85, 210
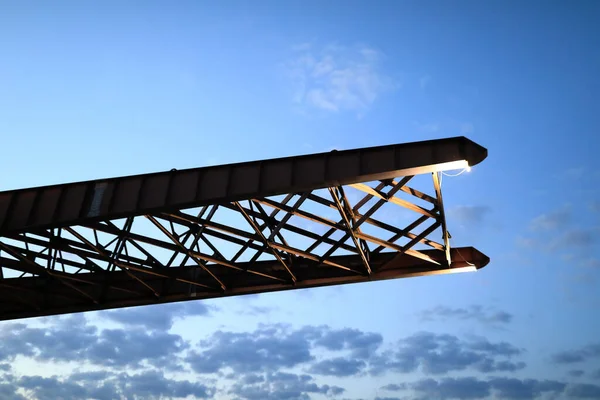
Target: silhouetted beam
57, 299
77, 203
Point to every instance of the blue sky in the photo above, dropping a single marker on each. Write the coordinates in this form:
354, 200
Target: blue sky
116, 88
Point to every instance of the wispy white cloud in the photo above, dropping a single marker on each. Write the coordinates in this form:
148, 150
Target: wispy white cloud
561, 235
527, 242
428, 127
466, 127
591, 263
581, 238
470, 215
487, 315
337, 78
573, 173
557, 219
570, 244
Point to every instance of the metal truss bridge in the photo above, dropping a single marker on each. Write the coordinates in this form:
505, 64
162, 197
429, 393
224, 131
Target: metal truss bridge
297, 222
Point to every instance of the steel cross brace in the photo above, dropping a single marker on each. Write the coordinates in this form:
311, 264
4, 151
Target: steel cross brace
131, 251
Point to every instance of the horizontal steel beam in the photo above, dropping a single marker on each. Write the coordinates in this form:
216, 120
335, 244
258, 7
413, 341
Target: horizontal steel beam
83, 202
66, 248
36, 296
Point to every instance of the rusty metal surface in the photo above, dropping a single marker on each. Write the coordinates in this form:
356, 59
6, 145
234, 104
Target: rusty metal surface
298, 222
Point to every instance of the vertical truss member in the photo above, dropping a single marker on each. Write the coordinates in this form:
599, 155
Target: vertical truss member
286, 223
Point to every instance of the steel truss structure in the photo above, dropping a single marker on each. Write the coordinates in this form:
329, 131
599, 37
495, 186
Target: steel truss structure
288, 223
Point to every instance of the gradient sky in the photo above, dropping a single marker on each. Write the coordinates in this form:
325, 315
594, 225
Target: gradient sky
100, 89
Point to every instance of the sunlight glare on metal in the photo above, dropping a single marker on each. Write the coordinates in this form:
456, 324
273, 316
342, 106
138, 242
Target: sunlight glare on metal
453, 165
229, 230
470, 268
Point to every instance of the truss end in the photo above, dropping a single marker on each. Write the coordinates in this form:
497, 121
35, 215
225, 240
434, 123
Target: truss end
473, 152
468, 257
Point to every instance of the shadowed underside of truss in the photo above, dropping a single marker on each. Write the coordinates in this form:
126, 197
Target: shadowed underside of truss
323, 219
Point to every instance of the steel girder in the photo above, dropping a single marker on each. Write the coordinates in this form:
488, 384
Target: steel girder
287, 223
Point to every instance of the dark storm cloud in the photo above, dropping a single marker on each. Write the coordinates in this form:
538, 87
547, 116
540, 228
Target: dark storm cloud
563, 236
592, 263
251, 351
392, 387
52, 388
72, 338
494, 349
470, 215
583, 391
511, 388
475, 313
471, 388
256, 359
119, 347
160, 317
339, 367
576, 373
65, 340
577, 238
9, 391
90, 376
591, 351
284, 386
272, 347
489, 365
153, 384
106, 386
381, 364
452, 388
440, 354
361, 344
257, 310
557, 219
250, 379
